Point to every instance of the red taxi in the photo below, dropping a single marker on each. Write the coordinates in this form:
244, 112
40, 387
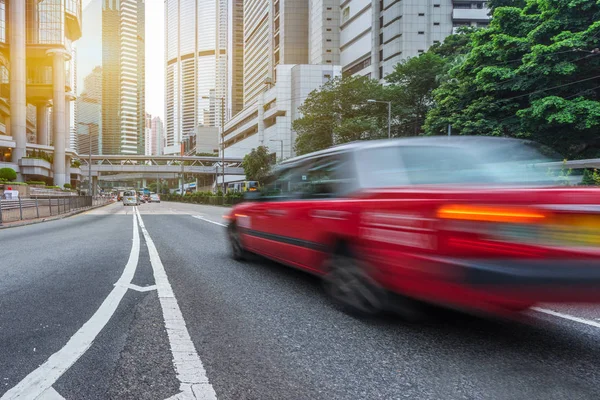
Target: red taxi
473, 223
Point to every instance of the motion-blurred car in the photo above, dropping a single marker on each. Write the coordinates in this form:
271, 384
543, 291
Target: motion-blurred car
130, 198
154, 198
472, 223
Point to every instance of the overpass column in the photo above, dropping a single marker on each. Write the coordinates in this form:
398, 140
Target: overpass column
58, 114
18, 72
42, 123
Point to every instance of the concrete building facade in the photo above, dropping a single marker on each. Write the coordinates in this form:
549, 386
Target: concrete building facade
35, 68
268, 121
375, 35
157, 134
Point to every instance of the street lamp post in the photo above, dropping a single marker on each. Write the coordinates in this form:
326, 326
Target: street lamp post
281, 142
389, 103
89, 124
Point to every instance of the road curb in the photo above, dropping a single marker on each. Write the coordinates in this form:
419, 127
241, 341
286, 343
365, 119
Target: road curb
55, 218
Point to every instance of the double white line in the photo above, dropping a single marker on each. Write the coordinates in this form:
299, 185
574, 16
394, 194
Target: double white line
188, 366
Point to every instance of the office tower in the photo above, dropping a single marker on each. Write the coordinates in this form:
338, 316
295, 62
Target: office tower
275, 32
195, 33
324, 32
123, 76
235, 53
36, 63
89, 113
157, 135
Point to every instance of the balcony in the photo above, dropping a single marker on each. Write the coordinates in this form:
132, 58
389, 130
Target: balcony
73, 19
470, 14
36, 167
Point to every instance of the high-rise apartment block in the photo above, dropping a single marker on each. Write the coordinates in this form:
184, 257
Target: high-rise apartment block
157, 136
324, 32
89, 113
376, 35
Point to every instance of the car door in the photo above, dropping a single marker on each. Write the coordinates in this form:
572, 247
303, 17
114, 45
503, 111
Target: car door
271, 218
302, 223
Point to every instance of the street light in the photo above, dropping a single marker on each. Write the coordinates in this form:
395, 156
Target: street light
389, 103
281, 141
222, 134
89, 124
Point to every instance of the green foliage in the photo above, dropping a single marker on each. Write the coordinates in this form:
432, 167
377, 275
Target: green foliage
534, 73
338, 112
8, 174
52, 187
562, 175
591, 177
207, 154
36, 183
411, 88
75, 163
257, 164
67, 186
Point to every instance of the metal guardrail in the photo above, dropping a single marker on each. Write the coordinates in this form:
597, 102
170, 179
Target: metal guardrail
43, 207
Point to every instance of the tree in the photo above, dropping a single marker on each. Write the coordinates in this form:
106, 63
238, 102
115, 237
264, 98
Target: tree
338, 113
257, 164
410, 90
534, 73
8, 174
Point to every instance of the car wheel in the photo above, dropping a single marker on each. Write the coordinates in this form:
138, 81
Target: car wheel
237, 249
351, 287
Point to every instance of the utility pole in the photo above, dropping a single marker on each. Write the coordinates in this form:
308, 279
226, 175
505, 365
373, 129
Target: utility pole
182, 171
223, 140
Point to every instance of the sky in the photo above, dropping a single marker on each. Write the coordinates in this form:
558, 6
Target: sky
154, 56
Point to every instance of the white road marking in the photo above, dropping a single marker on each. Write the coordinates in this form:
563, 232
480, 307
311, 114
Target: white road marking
191, 374
140, 288
567, 316
50, 394
42, 378
201, 218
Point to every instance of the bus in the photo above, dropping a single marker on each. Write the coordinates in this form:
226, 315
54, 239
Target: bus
242, 186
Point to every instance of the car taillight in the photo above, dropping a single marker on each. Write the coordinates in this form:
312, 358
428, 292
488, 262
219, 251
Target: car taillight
490, 214
526, 226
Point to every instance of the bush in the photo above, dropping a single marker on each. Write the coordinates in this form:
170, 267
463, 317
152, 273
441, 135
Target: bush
75, 163
36, 183
8, 174
52, 187
67, 186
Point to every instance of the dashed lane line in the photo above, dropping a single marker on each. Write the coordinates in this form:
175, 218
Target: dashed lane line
201, 218
567, 316
190, 371
41, 379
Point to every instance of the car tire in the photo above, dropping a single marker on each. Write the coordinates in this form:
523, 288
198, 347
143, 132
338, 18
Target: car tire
238, 253
350, 286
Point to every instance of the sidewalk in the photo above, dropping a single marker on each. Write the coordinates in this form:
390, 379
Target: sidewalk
15, 224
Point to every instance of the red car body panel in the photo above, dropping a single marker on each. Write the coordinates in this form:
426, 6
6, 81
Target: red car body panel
412, 249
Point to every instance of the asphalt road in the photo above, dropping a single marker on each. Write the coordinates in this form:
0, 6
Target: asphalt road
109, 305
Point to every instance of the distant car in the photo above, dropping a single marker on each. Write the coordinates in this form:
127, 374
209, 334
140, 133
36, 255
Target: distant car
130, 198
154, 198
469, 223
141, 198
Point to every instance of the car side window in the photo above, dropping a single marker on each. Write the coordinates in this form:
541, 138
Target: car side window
327, 177
285, 184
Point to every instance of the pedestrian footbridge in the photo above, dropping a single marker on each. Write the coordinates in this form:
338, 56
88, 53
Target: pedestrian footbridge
120, 167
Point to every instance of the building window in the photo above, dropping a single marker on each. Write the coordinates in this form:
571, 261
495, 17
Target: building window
421, 51
345, 14
436, 5
421, 32
421, 14
436, 24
